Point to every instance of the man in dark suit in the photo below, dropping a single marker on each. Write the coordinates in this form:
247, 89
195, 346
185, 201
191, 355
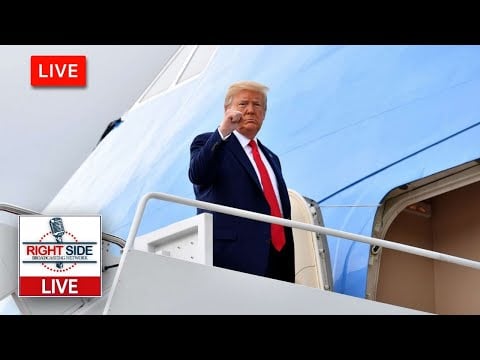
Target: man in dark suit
227, 169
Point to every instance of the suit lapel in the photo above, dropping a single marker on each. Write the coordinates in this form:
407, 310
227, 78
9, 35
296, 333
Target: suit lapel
271, 159
237, 150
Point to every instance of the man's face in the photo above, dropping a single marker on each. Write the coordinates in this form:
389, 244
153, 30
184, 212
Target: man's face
252, 106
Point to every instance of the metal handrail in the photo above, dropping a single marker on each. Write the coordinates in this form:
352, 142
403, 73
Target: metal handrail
269, 219
17, 210
290, 223
113, 239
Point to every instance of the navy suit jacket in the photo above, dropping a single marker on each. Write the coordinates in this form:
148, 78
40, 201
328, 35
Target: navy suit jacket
222, 174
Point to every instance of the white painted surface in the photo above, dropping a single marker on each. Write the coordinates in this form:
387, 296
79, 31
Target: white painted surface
163, 285
46, 133
189, 240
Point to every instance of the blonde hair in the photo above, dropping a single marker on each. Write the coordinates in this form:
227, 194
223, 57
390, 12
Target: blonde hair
235, 88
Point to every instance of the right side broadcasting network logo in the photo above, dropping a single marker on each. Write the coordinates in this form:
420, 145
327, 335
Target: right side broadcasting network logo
59, 256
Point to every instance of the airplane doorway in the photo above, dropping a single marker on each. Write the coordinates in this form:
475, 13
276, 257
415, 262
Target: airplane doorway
438, 213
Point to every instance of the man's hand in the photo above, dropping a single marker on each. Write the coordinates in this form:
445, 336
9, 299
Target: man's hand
230, 122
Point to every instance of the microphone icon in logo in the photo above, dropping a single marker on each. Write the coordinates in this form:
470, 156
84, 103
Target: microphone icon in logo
56, 225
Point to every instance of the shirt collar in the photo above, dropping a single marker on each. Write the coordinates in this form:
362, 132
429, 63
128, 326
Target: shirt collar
243, 139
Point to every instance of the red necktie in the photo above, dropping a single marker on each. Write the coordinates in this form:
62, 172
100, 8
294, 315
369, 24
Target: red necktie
277, 232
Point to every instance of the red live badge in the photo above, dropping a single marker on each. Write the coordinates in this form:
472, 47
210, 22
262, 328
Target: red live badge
58, 70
